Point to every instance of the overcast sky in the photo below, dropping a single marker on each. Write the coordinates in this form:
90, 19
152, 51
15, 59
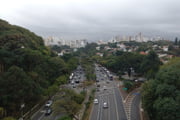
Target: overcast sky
94, 19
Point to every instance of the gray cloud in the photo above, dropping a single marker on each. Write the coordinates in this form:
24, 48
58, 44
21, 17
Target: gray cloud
94, 20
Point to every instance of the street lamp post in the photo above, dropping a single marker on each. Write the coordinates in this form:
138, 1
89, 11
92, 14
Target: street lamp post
22, 107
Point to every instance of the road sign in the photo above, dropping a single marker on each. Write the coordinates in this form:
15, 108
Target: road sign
136, 93
125, 88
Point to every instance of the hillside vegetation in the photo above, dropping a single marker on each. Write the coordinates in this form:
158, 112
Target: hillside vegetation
28, 69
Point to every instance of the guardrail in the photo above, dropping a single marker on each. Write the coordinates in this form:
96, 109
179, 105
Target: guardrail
27, 115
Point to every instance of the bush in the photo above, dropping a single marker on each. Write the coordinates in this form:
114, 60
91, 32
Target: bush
128, 84
79, 98
65, 118
9, 118
87, 104
83, 93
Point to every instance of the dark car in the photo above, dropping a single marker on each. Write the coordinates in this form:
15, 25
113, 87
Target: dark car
77, 81
107, 81
111, 78
97, 89
98, 85
48, 111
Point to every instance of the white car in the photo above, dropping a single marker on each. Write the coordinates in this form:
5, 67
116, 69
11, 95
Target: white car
105, 105
72, 82
95, 101
49, 103
48, 111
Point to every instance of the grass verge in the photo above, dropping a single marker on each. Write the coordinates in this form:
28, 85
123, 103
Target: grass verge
88, 106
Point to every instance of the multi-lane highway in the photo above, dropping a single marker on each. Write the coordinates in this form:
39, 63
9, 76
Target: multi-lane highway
108, 93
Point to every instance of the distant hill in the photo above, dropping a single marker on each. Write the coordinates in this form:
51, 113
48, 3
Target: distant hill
13, 37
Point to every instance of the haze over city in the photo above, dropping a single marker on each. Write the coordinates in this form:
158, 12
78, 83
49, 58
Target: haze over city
94, 20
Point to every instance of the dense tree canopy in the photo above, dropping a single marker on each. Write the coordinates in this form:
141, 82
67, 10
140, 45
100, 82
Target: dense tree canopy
28, 69
69, 102
146, 65
161, 96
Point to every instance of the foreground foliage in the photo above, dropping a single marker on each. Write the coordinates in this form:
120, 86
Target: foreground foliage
69, 102
28, 69
161, 96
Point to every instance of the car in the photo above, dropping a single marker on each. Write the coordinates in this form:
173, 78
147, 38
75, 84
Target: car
104, 87
72, 82
77, 81
97, 89
105, 105
49, 103
97, 80
48, 111
95, 101
98, 85
107, 81
111, 78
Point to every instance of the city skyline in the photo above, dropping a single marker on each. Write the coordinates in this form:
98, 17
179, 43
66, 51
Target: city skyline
78, 43
94, 20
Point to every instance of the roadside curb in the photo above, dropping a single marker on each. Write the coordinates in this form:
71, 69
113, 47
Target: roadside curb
141, 111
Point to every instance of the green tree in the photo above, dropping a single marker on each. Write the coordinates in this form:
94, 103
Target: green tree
65, 118
56, 67
9, 118
61, 80
166, 109
160, 96
51, 90
176, 41
165, 90
150, 65
28, 69
16, 88
128, 84
72, 63
148, 96
68, 102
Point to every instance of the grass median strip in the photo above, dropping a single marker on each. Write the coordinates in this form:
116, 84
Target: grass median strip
88, 106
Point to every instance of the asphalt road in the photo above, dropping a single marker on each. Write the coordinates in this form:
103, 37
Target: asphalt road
135, 113
111, 95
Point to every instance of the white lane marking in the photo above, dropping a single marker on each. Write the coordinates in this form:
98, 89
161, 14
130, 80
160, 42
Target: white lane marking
42, 111
106, 94
100, 118
99, 107
124, 106
109, 109
115, 101
131, 106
